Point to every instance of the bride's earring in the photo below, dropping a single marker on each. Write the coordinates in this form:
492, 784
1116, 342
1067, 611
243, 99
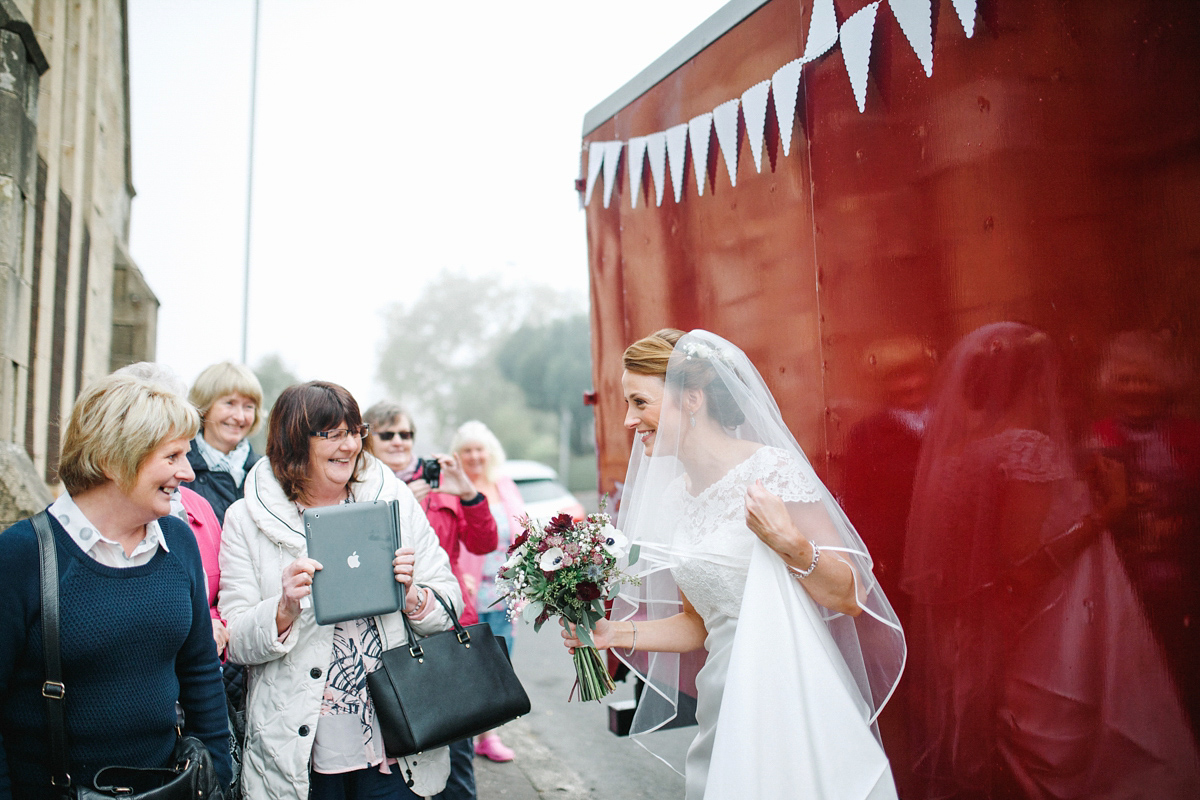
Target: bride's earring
693, 420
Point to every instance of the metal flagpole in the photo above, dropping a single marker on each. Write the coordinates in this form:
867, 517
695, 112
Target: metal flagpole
250, 186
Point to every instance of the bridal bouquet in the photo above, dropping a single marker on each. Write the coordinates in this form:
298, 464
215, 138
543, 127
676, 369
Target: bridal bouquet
568, 569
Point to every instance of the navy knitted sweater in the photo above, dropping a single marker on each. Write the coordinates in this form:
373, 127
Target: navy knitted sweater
133, 641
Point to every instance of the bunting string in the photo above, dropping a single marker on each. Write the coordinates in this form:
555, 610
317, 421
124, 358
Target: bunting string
666, 151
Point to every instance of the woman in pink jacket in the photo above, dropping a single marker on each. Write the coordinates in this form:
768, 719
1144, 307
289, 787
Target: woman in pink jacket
482, 457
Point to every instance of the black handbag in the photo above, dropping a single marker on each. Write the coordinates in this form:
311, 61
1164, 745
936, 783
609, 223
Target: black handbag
188, 776
442, 688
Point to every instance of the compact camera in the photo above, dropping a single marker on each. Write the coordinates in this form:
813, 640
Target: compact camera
432, 472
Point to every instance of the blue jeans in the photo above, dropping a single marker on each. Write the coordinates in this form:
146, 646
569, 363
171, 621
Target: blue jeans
361, 784
501, 626
461, 783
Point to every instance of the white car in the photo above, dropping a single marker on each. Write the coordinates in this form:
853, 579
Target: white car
541, 490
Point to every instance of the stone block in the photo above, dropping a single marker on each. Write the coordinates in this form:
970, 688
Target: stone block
22, 492
12, 135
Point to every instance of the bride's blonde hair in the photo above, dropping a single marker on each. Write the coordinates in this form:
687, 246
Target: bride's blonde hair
649, 356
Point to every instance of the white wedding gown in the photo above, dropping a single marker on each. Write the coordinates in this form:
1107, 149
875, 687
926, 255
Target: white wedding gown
776, 717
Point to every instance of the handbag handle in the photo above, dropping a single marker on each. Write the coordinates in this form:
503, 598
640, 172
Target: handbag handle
414, 646
52, 689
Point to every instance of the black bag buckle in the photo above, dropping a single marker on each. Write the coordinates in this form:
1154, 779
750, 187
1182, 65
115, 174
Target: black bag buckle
415, 651
54, 690
65, 778
464, 637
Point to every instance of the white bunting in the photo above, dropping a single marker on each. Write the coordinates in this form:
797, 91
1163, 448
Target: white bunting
635, 165
668, 149
699, 132
822, 31
916, 20
595, 160
725, 118
785, 83
754, 111
612, 157
856, 35
677, 154
966, 14
656, 154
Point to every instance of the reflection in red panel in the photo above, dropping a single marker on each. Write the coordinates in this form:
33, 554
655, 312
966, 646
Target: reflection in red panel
976, 305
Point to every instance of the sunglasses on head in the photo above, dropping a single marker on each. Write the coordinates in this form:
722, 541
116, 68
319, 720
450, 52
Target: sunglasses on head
386, 436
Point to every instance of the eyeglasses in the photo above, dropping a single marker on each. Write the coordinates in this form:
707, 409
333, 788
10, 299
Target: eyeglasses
386, 436
341, 433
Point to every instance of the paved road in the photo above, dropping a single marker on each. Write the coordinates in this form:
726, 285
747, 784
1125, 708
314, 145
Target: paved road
565, 751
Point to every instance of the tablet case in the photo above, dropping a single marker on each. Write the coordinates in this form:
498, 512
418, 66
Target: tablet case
355, 544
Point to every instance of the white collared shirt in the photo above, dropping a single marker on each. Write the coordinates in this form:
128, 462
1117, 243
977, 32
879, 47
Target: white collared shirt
104, 550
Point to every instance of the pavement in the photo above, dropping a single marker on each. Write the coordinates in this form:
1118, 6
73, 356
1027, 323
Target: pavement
535, 773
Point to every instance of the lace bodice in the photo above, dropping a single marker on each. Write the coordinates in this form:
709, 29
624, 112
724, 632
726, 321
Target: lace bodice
712, 536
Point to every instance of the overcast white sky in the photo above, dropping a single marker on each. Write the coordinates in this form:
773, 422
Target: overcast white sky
394, 139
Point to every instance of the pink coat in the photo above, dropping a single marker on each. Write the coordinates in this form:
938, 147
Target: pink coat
470, 565
204, 524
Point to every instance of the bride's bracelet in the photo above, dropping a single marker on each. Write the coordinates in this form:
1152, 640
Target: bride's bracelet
804, 573
633, 646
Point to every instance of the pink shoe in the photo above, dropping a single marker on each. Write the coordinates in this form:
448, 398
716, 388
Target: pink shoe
490, 747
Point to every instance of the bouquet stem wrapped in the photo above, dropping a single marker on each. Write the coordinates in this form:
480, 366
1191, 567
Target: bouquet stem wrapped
568, 569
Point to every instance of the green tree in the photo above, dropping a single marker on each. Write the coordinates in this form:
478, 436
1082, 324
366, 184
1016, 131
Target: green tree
275, 376
439, 357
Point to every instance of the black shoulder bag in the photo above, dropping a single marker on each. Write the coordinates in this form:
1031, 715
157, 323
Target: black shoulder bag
190, 774
439, 689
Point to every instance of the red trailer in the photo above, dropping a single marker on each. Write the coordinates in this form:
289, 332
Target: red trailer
929, 169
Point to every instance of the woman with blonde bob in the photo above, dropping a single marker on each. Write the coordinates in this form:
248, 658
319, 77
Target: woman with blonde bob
136, 636
229, 399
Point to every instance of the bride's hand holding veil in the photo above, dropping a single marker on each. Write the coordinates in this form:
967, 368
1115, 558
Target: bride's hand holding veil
781, 527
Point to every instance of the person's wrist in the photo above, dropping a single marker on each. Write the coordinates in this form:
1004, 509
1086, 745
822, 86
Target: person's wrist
472, 497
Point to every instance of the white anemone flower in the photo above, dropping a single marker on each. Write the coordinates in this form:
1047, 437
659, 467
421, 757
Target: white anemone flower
552, 559
515, 558
615, 542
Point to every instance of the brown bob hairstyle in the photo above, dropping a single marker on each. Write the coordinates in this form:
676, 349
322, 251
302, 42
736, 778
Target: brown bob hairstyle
299, 412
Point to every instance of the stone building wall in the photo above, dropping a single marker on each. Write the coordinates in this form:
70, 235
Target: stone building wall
74, 304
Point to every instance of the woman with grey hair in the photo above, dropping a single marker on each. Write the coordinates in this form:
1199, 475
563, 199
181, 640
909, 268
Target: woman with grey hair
482, 457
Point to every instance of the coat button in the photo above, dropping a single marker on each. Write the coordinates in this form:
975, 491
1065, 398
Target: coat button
315, 672
303, 730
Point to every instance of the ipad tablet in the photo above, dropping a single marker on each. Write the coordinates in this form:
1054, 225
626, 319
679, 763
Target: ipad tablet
355, 544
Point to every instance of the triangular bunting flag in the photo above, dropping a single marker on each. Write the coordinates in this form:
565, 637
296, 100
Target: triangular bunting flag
966, 14
677, 154
725, 121
595, 160
656, 154
754, 111
856, 35
916, 20
635, 165
822, 30
612, 157
785, 83
700, 131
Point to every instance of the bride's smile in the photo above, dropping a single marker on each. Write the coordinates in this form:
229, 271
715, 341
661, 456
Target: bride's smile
643, 401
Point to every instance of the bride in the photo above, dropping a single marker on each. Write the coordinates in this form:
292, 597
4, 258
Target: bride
745, 555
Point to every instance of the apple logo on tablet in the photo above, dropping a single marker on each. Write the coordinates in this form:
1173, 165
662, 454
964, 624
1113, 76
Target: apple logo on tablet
352, 560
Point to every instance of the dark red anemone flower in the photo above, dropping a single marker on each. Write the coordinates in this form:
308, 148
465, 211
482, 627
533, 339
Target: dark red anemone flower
587, 591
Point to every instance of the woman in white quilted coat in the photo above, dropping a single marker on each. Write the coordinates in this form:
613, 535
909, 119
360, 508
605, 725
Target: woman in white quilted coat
310, 725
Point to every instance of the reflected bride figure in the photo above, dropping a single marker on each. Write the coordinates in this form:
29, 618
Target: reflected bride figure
744, 553
1034, 673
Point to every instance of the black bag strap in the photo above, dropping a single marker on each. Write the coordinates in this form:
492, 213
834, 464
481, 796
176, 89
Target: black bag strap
414, 645
52, 689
